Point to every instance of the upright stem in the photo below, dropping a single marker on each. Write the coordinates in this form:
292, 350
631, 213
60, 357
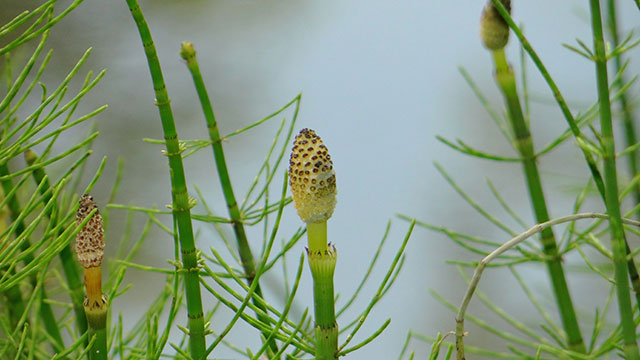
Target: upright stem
180, 197
630, 346
573, 125
322, 261
595, 173
524, 144
246, 256
630, 137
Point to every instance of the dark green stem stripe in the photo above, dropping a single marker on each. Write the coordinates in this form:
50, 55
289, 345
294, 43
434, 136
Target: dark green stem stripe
246, 256
180, 198
524, 144
630, 136
46, 312
69, 264
618, 246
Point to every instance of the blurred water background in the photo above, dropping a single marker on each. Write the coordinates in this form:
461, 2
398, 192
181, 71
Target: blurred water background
379, 81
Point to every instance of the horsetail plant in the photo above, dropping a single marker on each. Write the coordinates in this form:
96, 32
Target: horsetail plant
628, 122
313, 189
618, 240
181, 203
494, 32
90, 252
188, 53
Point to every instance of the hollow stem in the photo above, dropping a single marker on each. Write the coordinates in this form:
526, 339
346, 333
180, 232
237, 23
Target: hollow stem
524, 143
322, 261
180, 197
188, 53
618, 240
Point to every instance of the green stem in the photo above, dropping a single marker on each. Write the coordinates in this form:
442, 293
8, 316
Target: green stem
618, 240
14, 302
524, 143
593, 168
322, 261
246, 256
180, 197
46, 312
317, 235
575, 130
69, 264
97, 319
630, 137
100, 343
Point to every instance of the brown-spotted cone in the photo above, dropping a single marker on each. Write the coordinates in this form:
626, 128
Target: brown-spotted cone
90, 239
494, 30
312, 178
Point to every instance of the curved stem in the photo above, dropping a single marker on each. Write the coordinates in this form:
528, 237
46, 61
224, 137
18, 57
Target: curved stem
477, 274
180, 197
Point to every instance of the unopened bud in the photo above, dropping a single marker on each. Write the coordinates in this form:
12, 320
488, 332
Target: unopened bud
494, 30
90, 239
187, 50
312, 178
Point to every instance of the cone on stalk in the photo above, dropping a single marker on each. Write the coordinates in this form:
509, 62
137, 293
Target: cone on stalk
313, 187
90, 252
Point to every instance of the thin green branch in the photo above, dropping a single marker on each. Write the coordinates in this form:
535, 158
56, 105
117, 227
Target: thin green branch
461, 312
69, 265
554, 89
46, 312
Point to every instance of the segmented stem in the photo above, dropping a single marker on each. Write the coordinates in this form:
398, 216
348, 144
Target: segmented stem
180, 197
630, 137
524, 143
188, 53
618, 240
322, 261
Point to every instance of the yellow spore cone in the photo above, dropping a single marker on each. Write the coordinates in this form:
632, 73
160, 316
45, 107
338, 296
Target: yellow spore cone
90, 239
312, 178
